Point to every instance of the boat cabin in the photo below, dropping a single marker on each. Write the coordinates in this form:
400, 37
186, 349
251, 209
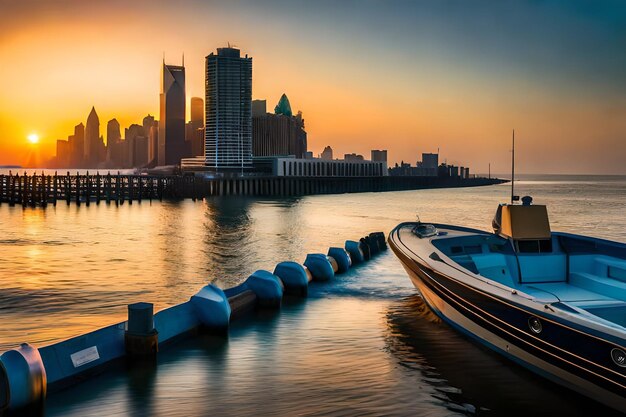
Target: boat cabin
576, 273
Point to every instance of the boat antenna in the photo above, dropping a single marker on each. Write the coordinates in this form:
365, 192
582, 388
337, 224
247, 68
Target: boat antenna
513, 169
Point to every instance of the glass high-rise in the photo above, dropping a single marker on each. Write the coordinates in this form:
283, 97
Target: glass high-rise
172, 147
228, 126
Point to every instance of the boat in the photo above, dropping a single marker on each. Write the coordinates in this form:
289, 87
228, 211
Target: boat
553, 302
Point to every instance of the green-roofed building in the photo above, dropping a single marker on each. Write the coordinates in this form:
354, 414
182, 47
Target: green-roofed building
283, 107
278, 134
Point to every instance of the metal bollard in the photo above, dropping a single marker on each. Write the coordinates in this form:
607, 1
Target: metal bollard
141, 338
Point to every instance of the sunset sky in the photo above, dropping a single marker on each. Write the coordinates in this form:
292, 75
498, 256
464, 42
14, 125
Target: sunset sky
408, 76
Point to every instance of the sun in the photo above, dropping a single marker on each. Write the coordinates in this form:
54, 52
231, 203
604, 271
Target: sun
33, 138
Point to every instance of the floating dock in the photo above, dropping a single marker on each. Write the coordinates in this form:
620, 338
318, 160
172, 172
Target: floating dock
28, 373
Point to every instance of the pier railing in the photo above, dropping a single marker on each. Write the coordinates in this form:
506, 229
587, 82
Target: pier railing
41, 190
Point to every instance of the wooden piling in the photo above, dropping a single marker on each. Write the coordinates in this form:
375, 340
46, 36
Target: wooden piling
98, 188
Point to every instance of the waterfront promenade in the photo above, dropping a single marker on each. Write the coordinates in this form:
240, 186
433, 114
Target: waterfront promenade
41, 190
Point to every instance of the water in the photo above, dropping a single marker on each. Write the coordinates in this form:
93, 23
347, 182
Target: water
363, 344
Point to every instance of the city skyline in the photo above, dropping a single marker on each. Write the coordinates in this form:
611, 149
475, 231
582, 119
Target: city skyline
440, 80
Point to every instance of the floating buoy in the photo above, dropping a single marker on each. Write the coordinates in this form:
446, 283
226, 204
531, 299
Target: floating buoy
212, 307
294, 277
379, 237
372, 244
367, 253
267, 287
333, 263
320, 267
342, 257
355, 251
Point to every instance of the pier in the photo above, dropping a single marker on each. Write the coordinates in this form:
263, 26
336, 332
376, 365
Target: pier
40, 189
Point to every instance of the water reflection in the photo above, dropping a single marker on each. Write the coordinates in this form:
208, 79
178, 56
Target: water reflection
230, 241
358, 346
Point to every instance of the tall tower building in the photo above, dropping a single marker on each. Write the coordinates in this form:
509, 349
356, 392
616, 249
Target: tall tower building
77, 146
92, 140
172, 145
195, 142
228, 126
147, 123
113, 132
197, 110
151, 131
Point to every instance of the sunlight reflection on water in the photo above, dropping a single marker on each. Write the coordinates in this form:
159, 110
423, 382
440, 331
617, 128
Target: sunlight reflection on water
359, 346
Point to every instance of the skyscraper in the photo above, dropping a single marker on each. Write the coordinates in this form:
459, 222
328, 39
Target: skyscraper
114, 145
92, 140
113, 131
136, 145
197, 110
77, 146
147, 123
151, 131
195, 142
172, 145
228, 127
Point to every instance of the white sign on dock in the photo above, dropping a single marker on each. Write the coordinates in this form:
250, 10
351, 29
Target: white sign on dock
85, 356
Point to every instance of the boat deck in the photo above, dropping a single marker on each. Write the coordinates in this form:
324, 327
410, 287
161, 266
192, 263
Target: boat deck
579, 274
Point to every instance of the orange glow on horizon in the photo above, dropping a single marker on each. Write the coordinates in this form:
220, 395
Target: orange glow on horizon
349, 101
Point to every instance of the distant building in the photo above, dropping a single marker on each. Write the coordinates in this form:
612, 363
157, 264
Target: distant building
259, 108
308, 155
172, 146
195, 144
427, 167
228, 126
113, 131
136, 145
115, 151
63, 154
379, 156
197, 110
148, 124
94, 145
327, 154
293, 167
279, 134
283, 106
153, 144
77, 147
352, 157
430, 162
